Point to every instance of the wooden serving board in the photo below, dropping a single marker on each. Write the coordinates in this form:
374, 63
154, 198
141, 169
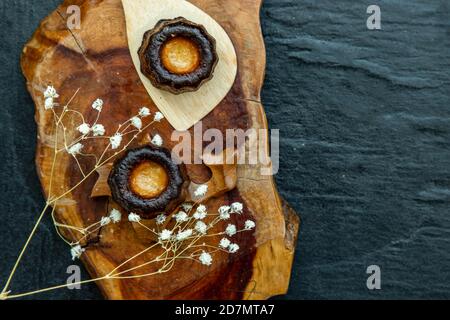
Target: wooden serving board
96, 59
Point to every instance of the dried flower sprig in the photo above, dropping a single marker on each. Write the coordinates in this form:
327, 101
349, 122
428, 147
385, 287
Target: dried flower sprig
73, 143
201, 191
183, 239
184, 235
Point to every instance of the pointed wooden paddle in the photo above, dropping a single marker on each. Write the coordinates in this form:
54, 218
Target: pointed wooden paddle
184, 110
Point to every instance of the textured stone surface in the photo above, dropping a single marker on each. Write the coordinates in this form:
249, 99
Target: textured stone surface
365, 147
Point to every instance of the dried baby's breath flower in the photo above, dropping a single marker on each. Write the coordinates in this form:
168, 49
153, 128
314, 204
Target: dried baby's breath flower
237, 207
181, 217
233, 248
49, 103
183, 235
205, 258
144, 112
224, 212
201, 190
160, 219
201, 208
50, 92
76, 252
98, 130
98, 105
178, 240
231, 230
105, 221
157, 140
187, 206
165, 235
133, 217
200, 215
116, 140
224, 243
75, 149
249, 225
201, 227
84, 128
158, 116
136, 122
115, 215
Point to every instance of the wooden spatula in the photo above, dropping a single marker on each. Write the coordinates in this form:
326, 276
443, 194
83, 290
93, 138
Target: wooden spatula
184, 110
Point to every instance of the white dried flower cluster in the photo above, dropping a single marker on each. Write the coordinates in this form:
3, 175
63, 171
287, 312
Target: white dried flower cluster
49, 103
84, 129
105, 221
227, 245
76, 252
205, 258
237, 207
200, 213
50, 92
165, 235
144, 112
231, 230
201, 190
233, 248
187, 206
187, 229
181, 217
158, 117
98, 105
50, 95
157, 140
249, 225
98, 130
115, 216
136, 122
224, 212
183, 235
75, 149
160, 219
224, 243
133, 217
116, 140
201, 227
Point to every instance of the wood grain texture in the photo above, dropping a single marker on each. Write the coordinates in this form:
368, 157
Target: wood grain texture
97, 60
184, 110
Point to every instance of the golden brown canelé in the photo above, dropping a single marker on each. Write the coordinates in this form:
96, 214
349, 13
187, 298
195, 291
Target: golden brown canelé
178, 55
147, 181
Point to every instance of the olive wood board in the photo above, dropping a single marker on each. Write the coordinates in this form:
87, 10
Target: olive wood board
186, 109
96, 59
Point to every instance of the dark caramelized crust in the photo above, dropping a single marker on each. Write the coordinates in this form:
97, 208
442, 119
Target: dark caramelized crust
178, 55
134, 178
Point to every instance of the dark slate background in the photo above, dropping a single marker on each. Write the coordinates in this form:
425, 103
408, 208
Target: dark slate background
365, 147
